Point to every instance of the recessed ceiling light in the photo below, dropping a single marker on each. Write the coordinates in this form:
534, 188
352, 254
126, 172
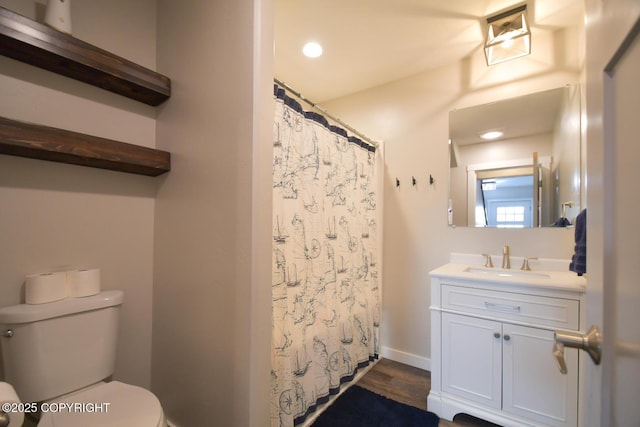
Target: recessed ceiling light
491, 134
312, 50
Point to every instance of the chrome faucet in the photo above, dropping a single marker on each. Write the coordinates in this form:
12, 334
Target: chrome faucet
506, 261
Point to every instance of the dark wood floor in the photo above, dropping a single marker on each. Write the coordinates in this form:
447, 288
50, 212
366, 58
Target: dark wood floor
409, 385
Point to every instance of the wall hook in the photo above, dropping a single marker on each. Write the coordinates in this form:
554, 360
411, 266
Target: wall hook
413, 180
397, 182
431, 180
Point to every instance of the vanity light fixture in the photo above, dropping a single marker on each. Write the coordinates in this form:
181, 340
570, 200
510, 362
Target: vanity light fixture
508, 36
312, 50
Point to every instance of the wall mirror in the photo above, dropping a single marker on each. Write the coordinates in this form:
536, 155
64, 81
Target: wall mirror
528, 174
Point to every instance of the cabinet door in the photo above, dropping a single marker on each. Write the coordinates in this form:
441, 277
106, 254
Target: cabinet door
471, 358
533, 386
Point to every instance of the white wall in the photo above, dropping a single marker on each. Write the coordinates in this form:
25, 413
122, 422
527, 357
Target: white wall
411, 116
212, 290
208, 231
54, 216
566, 166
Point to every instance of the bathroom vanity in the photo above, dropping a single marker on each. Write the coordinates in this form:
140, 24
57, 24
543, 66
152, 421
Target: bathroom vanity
492, 341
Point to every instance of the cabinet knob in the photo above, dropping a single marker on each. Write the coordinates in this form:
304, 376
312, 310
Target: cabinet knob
496, 334
507, 337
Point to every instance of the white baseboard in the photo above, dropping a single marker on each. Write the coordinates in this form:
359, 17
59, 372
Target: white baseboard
406, 358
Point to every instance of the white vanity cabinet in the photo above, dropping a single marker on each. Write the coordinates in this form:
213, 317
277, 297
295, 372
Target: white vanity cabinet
491, 347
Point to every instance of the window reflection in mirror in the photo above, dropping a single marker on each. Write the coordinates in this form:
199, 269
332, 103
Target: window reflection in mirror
504, 201
527, 177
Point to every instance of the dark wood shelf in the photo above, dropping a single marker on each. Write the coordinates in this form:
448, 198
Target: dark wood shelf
28, 41
59, 145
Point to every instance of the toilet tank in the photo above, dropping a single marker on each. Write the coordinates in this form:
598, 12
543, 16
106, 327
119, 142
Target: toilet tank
56, 348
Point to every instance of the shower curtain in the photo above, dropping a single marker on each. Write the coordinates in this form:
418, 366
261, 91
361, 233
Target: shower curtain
325, 284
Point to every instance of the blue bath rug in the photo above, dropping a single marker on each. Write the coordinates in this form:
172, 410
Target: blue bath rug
360, 407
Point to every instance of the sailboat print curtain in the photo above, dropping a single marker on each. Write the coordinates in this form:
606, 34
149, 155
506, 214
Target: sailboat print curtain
325, 285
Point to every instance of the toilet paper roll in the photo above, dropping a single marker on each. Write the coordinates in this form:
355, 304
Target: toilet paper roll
10, 403
58, 15
83, 283
45, 287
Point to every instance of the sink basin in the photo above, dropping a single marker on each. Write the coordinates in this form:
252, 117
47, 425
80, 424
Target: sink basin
506, 273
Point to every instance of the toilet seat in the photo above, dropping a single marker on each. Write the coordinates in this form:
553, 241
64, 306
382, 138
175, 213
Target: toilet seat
128, 405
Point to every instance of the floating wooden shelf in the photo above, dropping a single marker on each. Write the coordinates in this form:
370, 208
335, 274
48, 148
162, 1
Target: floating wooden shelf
59, 145
28, 41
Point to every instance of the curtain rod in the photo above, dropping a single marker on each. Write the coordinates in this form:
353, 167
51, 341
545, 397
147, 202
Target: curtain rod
326, 113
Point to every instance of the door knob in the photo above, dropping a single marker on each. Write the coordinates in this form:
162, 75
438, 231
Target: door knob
591, 342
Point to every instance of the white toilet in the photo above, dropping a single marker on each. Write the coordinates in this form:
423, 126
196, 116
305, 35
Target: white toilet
61, 354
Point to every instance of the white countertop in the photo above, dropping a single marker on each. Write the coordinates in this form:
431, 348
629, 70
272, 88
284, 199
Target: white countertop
546, 273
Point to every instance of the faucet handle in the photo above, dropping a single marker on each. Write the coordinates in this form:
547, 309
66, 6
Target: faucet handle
488, 262
525, 263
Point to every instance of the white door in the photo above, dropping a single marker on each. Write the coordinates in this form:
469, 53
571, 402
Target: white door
611, 393
472, 358
533, 386
621, 273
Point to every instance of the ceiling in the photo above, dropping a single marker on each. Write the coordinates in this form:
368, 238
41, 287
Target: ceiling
368, 43
517, 117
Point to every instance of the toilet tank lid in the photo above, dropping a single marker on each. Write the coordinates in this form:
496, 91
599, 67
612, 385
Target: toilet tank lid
26, 313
